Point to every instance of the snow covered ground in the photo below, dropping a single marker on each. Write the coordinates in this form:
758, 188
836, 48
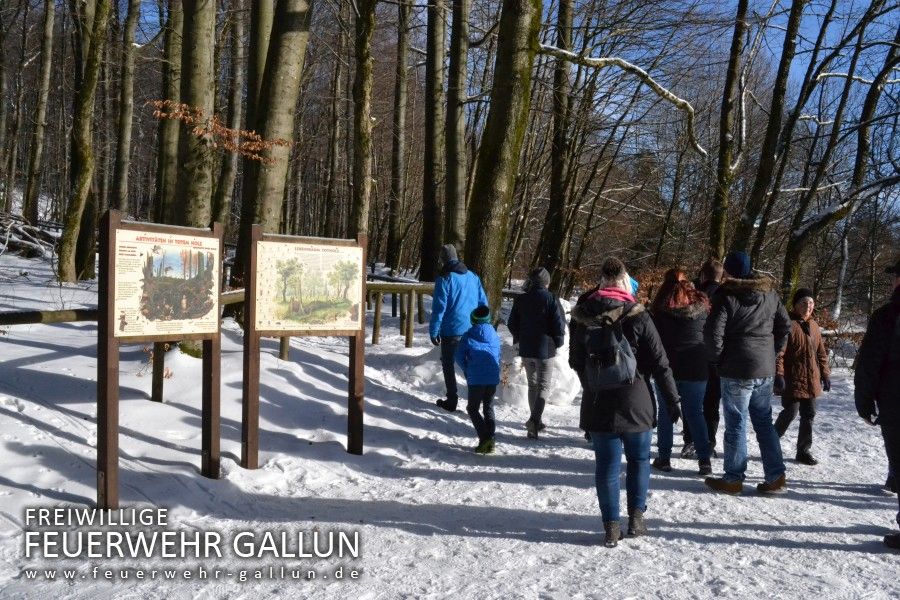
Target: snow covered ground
435, 519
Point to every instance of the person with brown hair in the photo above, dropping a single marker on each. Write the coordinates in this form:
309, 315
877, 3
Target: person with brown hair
802, 374
679, 313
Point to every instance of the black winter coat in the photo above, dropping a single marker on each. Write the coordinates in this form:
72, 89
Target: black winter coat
747, 328
708, 287
629, 409
681, 332
877, 378
537, 323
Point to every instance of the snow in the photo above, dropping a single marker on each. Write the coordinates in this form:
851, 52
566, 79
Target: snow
435, 519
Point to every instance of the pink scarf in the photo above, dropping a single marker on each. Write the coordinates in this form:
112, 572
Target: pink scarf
614, 293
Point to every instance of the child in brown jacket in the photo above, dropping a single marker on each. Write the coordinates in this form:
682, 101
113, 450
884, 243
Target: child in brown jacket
802, 374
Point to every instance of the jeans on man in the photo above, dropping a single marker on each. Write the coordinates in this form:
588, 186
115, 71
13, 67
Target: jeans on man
482, 396
807, 409
742, 398
608, 449
540, 378
891, 435
691, 393
448, 350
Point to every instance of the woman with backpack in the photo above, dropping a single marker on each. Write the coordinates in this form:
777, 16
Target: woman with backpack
615, 349
679, 313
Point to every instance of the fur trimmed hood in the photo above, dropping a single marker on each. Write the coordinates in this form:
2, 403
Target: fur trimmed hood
747, 291
594, 312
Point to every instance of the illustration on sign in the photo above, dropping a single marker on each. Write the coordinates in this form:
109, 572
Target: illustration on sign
305, 286
165, 283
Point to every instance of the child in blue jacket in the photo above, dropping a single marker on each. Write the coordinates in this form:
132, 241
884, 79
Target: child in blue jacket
478, 355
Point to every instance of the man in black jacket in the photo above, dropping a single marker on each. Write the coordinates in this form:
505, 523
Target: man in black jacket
877, 379
539, 328
747, 328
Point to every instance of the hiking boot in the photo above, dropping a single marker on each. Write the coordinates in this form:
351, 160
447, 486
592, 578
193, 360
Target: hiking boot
773, 487
892, 541
636, 524
447, 405
688, 451
613, 533
805, 458
532, 430
485, 446
705, 467
891, 484
726, 487
662, 464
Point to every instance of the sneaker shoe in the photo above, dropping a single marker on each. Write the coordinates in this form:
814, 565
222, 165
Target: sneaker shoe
541, 427
532, 430
891, 484
662, 464
805, 458
636, 524
705, 468
773, 487
447, 405
485, 447
688, 451
726, 487
892, 541
613, 533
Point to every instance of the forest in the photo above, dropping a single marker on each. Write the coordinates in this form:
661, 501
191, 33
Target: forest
525, 132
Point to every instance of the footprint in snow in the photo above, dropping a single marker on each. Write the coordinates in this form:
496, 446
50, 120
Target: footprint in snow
12, 403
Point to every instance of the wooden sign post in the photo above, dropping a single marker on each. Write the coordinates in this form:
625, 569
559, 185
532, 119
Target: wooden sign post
157, 283
277, 264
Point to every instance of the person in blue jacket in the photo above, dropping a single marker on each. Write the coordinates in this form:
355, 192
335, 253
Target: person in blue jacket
478, 355
457, 292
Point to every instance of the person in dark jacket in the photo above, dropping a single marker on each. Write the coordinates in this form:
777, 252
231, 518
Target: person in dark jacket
802, 374
478, 355
457, 292
747, 328
679, 313
538, 327
877, 378
621, 418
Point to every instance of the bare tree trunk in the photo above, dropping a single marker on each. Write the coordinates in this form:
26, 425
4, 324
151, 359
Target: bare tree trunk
228, 174
498, 157
167, 153
725, 169
195, 151
10, 182
398, 146
91, 34
126, 110
362, 119
32, 187
330, 220
433, 169
455, 201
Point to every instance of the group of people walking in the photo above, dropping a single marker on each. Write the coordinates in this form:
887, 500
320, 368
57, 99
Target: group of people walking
698, 345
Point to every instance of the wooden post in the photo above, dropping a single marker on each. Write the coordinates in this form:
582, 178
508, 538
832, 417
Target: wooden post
420, 297
409, 319
211, 407
376, 321
356, 384
403, 310
394, 305
159, 371
284, 348
368, 299
250, 386
107, 370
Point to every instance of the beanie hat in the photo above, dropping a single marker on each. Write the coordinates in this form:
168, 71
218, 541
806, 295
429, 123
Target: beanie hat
737, 265
802, 293
448, 254
540, 277
614, 275
482, 314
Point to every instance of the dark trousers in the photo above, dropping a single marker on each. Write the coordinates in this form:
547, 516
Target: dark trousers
891, 435
807, 409
448, 350
712, 402
481, 397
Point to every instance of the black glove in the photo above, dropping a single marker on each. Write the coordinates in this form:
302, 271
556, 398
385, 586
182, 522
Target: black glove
436, 340
826, 384
778, 385
674, 413
869, 414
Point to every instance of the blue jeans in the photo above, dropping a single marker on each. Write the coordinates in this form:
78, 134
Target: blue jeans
482, 395
448, 350
753, 397
692, 393
608, 453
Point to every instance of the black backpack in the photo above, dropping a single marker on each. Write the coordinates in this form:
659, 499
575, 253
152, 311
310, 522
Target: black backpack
611, 362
